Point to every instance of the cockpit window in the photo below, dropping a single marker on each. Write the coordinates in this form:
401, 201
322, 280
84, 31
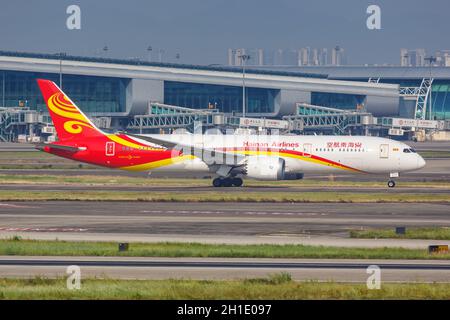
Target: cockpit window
412, 150
406, 150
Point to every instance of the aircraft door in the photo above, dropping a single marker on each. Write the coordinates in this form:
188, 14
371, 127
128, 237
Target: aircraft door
307, 149
384, 151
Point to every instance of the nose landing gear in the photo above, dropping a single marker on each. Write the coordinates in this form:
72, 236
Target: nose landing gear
227, 182
391, 183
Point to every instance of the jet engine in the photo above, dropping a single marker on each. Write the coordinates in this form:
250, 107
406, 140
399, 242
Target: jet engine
265, 168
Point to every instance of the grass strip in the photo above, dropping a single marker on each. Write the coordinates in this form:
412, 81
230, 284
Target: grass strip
278, 286
175, 249
439, 233
148, 181
223, 196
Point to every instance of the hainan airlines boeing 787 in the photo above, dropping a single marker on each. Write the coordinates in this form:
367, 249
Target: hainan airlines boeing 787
230, 157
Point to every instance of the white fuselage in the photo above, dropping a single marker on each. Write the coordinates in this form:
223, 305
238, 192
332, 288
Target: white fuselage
307, 154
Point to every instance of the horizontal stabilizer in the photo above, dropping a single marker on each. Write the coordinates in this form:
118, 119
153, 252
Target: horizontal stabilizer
41, 146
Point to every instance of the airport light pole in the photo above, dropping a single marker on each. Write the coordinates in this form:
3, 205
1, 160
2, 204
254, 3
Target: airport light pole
105, 50
431, 60
3, 90
61, 56
149, 49
160, 54
244, 57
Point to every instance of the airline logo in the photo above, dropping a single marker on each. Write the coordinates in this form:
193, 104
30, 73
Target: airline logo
60, 105
275, 144
344, 144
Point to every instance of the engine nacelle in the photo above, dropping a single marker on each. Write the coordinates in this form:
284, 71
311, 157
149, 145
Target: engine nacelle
293, 176
265, 168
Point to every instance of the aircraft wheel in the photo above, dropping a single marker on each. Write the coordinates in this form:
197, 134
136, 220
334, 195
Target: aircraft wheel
217, 182
237, 182
391, 183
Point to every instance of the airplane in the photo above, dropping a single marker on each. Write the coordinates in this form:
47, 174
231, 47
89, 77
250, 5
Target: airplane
230, 157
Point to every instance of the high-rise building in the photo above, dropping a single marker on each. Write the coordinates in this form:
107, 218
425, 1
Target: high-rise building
230, 55
323, 57
305, 56
338, 56
278, 57
443, 58
419, 57
412, 58
256, 57
404, 57
260, 53
290, 57
315, 57
268, 58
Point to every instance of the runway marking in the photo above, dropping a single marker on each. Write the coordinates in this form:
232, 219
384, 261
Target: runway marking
246, 264
233, 212
9, 205
43, 229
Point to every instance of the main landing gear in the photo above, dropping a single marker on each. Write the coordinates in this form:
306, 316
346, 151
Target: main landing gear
227, 182
391, 183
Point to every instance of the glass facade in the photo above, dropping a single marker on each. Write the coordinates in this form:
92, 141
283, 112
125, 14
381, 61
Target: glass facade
440, 101
225, 98
337, 100
440, 97
91, 94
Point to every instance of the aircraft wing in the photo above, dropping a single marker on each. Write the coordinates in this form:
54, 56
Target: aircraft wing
207, 155
160, 142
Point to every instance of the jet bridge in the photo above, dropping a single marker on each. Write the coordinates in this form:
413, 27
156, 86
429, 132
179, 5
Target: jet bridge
339, 121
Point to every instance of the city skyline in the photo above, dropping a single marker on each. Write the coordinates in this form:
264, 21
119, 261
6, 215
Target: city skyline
305, 56
200, 32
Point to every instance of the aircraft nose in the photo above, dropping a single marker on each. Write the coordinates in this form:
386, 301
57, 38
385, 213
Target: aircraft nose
420, 162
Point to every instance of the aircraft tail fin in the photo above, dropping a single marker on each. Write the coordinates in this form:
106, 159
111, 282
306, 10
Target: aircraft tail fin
69, 121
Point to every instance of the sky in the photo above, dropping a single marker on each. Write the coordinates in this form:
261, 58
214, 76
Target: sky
201, 31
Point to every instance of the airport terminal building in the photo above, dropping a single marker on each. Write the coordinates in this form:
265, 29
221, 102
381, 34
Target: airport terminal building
148, 96
405, 77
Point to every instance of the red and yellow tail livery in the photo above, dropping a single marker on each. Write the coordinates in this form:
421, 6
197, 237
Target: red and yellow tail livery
79, 139
69, 121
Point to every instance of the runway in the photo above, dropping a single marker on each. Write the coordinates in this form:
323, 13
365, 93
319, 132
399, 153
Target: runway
435, 170
200, 189
340, 270
306, 223
326, 224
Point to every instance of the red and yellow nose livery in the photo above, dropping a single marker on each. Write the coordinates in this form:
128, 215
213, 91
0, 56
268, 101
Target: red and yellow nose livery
79, 139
